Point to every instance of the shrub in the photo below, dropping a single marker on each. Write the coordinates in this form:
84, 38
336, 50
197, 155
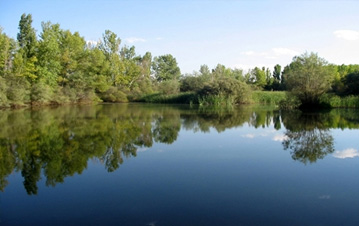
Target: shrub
227, 87
351, 83
41, 93
114, 95
191, 83
3, 90
291, 102
169, 87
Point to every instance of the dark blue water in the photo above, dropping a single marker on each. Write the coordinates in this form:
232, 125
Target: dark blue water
174, 165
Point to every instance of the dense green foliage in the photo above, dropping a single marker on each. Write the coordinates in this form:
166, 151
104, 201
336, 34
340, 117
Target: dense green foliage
60, 67
307, 77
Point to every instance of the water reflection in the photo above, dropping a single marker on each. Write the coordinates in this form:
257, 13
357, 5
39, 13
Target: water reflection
307, 136
58, 143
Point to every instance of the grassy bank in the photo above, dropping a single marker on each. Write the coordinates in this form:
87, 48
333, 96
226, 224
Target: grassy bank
181, 98
268, 97
334, 101
257, 97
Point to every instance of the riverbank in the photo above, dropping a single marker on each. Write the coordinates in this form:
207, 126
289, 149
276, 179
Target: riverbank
256, 97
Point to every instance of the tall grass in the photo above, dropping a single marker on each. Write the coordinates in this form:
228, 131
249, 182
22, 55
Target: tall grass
181, 98
334, 101
268, 97
216, 100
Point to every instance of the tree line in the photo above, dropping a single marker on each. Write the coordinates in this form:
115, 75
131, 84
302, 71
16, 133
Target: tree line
59, 66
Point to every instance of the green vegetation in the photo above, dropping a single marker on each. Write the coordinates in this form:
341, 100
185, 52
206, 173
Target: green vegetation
60, 67
308, 77
335, 101
268, 97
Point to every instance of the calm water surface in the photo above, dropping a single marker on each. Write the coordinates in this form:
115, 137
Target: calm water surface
136, 164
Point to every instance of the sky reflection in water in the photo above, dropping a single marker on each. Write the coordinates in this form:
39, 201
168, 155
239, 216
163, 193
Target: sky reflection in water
174, 165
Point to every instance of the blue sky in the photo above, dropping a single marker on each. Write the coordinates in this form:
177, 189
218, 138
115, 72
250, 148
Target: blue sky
241, 34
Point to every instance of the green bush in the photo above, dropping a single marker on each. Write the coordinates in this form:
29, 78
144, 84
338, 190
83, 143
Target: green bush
169, 87
41, 93
291, 102
3, 90
216, 100
334, 101
191, 84
181, 98
114, 95
227, 88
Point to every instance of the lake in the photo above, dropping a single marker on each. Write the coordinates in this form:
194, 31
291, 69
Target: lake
144, 164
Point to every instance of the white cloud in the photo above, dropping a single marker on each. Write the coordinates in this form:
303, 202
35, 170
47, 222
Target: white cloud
347, 153
159, 38
284, 52
249, 135
253, 53
134, 40
350, 35
92, 42
142, 149
280, 138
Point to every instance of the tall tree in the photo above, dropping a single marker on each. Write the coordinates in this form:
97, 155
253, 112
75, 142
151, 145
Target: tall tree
110, 46
50, 53
307, 77
165, 68
27, 36
7, 46
28, 44
277, 72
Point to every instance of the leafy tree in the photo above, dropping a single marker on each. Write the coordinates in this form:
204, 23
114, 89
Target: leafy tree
27, 36
74, 61
128, 53
257, 77
351, 83
204, 70
110, 47
50, 53
307, 78
277, 72
165, 68
96, 68
26, 57
7, 46
221, 71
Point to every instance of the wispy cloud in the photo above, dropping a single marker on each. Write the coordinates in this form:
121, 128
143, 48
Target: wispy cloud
280, 138
347, 153
252, 135
134, 40
142, 149
159, 38
350, 35
284, 52
92, 42
254, 53
249, 135
274, 53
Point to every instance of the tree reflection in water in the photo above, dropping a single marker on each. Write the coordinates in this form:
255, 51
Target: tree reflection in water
307, 136
60, 142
